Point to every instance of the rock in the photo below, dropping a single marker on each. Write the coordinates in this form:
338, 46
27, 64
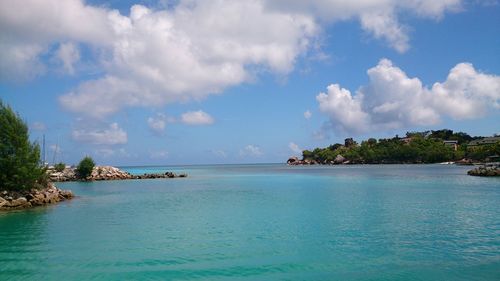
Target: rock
19, 202
100, 173
27, 199
488, 170
339, 159
292, 161
3, 202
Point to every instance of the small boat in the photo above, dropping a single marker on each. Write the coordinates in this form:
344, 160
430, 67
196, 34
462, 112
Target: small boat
447, 163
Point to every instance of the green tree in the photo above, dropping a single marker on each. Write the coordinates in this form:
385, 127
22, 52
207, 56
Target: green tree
60, 167
19, 158
85, 167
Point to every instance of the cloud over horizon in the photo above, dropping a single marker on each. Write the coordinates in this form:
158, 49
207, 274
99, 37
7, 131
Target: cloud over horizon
197, 118
392, 100
112, 135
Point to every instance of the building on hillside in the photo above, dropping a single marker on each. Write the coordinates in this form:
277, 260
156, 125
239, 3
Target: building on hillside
406, 140
484, 141
451, 143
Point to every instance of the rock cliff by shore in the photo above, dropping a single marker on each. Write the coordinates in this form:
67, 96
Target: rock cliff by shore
15, 200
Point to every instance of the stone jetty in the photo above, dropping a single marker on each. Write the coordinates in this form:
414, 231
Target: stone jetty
100, 173
16, 200
487, 170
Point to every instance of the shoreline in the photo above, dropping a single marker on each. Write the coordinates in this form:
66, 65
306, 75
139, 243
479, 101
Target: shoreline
27, 199
105, 173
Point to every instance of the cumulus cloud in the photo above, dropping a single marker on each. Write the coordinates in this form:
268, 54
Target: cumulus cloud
251, 150
197, 118
385, 26
188, 51
393, 100
109, 136
68, 54
164, 56
30, 27
158, 123
307, 114
377, 17
295, 148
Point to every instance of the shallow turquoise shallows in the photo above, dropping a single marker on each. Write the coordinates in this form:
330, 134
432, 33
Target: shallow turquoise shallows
264, 222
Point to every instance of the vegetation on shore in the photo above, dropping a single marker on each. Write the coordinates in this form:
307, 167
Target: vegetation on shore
85, 167
415, 147
19, 158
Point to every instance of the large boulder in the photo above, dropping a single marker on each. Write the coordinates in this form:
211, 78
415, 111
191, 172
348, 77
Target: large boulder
3, 202
292, 161
491, 170
339, 159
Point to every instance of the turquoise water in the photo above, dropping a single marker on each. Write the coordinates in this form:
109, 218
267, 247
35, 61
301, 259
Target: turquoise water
264, 222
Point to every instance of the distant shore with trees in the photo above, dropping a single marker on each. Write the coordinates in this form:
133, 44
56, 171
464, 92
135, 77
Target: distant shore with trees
414, 148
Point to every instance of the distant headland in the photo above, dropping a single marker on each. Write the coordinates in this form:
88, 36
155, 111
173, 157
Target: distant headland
440, 146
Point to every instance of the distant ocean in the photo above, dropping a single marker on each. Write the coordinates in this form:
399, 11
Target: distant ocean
264, 222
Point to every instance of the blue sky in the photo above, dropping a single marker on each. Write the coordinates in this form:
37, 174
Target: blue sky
194, 82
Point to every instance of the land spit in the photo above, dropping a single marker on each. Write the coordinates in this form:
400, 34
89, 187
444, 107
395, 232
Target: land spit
100, 173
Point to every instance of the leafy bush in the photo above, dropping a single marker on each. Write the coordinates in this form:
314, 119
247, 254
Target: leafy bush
60, 167
85, 167
19, 158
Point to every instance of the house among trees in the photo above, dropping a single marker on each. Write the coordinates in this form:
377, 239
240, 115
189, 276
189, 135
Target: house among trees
484, 141
451, 143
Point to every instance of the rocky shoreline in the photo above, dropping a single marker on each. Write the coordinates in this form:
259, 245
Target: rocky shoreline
487, 170
101, 173
16, 200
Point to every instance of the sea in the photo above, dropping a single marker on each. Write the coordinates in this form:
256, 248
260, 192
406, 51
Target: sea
264, 222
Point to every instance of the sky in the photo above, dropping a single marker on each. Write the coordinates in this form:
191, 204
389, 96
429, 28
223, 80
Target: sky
255, 81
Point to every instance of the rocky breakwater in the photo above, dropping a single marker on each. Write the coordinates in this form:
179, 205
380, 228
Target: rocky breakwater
15, 200
487, 170
339, 159
169, 175
101, 173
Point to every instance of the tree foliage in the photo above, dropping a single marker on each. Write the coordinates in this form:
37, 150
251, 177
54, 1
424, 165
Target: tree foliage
20, 167
60, 167
417, 147
85, 167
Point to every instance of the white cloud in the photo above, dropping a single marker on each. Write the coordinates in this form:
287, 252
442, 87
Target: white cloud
68, 54
219, 153
38, 126
385, 26
378, 17
307, 114
30, 27
392, 100
110, 136
158, 123
189, 51
251, 150
55, 148
295, 148
160, 154
182, 54
107, 152
196, 118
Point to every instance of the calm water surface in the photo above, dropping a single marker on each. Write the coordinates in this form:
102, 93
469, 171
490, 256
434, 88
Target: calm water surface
264, 222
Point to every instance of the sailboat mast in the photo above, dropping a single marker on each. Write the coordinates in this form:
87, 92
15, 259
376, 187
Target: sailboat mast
43, 149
